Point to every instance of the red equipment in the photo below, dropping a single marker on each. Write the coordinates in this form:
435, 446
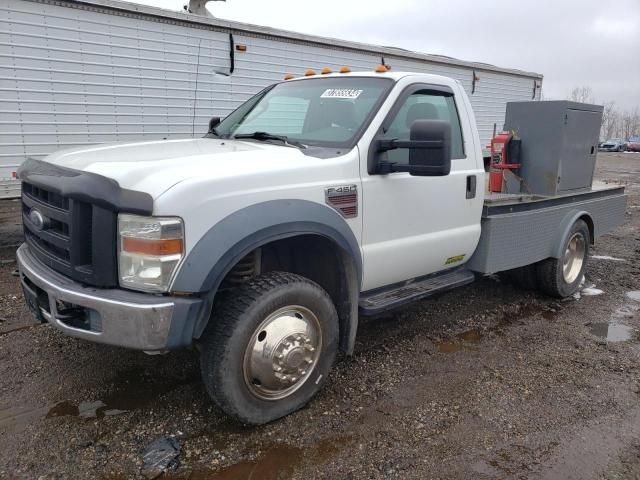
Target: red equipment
502, 152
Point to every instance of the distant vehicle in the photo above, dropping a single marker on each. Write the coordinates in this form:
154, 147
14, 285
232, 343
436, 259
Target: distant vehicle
613, 145
633, 145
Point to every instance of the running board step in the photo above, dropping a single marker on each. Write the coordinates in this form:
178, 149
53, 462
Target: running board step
376, 301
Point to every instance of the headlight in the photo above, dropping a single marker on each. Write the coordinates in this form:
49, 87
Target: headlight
149, 251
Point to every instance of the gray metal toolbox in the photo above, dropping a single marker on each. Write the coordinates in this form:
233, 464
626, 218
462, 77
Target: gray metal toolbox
559, 145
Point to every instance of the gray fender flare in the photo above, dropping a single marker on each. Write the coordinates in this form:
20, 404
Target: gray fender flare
229, 240
563, 231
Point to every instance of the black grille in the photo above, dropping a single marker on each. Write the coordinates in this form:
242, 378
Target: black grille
73, 234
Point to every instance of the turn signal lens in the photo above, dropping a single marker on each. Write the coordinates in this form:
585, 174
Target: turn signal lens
172, 246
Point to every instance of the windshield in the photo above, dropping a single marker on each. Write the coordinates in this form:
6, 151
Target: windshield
329, 112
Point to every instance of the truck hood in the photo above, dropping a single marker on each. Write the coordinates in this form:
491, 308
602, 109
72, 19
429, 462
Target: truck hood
155, 166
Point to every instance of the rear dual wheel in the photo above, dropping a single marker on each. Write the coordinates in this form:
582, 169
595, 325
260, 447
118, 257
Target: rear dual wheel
269, 347
561, 277
558, 277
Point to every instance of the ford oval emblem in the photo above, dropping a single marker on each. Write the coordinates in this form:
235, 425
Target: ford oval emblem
37, 219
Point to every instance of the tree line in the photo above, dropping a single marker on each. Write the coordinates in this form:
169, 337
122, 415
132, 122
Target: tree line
616, 123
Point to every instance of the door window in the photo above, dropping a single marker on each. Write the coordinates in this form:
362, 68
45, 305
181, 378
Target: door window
424, 105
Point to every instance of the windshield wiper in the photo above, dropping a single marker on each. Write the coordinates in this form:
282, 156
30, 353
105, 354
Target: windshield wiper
263, 136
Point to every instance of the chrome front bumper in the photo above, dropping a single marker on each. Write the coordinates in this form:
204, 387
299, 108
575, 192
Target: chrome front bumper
112, 316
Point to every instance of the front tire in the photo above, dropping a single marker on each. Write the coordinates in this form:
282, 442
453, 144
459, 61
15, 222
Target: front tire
561, 277
269, 347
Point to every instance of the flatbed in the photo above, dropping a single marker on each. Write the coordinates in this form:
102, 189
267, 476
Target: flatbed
521, 229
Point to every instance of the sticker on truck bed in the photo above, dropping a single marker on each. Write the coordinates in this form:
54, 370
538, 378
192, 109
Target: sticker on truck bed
348, 93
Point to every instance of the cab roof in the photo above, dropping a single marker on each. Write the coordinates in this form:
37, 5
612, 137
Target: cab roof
393, 75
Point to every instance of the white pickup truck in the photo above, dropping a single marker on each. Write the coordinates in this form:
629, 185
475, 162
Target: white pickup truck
319, 200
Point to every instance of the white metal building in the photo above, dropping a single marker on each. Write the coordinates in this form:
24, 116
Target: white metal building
78, 72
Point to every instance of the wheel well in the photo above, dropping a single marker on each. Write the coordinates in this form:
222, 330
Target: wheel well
315, 257
589, 221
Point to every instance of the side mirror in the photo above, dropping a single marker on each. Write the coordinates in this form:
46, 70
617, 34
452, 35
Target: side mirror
429, 147
213, 123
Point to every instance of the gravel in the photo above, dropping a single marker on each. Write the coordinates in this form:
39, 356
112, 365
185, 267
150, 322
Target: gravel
484, 382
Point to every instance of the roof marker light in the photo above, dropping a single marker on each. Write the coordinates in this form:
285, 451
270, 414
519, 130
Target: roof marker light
309, 72
326, 70
380, 69
288, 76
345, 69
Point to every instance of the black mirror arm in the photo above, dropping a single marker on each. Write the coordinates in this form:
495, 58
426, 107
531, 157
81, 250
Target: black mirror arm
384, 168
430, 170
385, 145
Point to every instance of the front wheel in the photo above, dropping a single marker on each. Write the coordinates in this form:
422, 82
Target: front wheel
269, 347
561, 277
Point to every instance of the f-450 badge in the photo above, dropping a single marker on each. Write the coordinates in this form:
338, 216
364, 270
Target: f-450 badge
344, 199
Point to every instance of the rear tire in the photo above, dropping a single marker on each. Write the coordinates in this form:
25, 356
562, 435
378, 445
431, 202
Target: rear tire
269, 347
561, 277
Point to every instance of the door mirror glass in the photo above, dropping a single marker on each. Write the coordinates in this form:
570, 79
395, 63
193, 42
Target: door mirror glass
431, 149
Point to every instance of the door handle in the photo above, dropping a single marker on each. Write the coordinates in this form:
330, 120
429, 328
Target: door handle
471, 186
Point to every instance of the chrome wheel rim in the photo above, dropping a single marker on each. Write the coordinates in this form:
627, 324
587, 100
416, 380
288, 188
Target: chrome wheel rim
573, 258
282, 353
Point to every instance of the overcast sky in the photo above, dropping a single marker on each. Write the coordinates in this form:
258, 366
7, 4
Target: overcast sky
571, 42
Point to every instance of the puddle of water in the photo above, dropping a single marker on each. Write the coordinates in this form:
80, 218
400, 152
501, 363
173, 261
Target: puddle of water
97, 409
634, 295
465, 340
278, 462
63, 408
462, 341
612, 331
133, 390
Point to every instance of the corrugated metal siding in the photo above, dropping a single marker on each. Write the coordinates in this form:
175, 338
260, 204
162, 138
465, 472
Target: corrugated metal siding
79, 76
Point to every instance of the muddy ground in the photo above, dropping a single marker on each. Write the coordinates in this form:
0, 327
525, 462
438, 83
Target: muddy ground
485, 382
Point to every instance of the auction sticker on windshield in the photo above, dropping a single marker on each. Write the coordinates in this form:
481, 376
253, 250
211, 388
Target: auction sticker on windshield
341, 93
